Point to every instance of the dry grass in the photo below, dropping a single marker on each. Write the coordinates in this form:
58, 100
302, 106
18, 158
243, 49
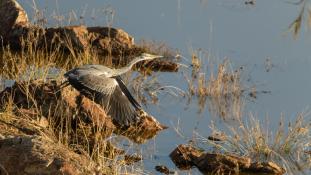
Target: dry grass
304, 16
221, 89
288, 145
41, 64
30, 57
160, 48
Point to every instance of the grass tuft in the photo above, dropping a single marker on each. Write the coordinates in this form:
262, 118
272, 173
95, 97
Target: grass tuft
287, 145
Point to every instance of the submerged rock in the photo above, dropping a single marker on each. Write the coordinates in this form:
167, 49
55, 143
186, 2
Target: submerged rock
183, 156
213, 162
163, 169
186, 156
144, 130
265, 167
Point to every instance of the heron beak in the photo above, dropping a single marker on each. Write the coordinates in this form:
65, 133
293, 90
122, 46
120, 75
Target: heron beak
154, 56
158, 56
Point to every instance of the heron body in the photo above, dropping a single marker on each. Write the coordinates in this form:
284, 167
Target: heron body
105, 86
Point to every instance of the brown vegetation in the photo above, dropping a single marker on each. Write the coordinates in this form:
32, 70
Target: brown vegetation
221, 89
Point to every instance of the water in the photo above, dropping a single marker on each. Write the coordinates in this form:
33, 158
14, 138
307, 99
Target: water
246, 34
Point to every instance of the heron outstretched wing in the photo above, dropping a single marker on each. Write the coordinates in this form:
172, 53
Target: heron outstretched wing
107, 92
121, 108
127, 92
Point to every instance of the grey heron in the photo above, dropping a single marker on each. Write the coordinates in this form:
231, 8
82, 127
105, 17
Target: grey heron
105, 86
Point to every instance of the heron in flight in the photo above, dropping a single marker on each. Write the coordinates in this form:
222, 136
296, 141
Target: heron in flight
105, 86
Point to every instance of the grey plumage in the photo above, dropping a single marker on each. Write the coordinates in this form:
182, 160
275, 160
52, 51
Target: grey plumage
105, 86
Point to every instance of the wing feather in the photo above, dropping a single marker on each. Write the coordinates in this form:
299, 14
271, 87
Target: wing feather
106, 92
123, 111
127, 92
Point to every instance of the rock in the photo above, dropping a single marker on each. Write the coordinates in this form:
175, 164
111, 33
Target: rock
87, 110
110, 41
163, 169
41, 155
227, 163
75, 39
147, 128
68, 37
186, 156
266, 167
183, 156
15, 25
13, 17
119, 36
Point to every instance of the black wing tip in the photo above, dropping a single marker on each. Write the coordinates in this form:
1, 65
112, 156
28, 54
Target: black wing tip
127, 93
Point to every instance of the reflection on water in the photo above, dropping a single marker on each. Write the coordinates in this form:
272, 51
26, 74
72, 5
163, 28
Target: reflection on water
248, 36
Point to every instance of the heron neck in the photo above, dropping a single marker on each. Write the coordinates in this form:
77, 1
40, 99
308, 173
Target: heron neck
126, 68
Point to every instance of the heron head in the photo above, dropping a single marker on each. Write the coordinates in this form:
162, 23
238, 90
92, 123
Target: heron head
147, 56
